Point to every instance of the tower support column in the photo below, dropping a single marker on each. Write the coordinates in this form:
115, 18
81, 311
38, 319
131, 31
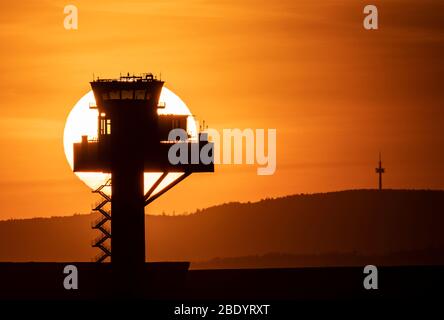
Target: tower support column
128, 217
127, 198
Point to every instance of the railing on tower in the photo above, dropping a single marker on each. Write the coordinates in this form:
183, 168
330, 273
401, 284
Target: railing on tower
100, 223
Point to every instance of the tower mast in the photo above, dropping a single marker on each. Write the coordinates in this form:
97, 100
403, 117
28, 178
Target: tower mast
380, 170
132, 139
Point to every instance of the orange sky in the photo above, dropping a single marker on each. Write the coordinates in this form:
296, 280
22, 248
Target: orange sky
336, 94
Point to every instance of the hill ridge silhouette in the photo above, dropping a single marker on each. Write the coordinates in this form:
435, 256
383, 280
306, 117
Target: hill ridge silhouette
365, 221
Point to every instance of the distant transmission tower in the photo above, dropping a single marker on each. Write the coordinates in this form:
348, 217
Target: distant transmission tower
380, 170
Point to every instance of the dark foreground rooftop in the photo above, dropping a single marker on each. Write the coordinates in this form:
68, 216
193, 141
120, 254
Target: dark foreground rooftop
173, 281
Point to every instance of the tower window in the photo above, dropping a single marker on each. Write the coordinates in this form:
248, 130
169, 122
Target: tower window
114, 95
127, 94
140, 95
102, 126
108, 126
105, 126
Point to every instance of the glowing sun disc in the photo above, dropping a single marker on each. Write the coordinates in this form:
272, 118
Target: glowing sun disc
82, 121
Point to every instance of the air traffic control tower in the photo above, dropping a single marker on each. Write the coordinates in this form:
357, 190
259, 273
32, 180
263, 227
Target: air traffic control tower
132, 139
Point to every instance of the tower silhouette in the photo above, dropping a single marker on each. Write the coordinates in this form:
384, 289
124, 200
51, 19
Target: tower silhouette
380, 170
132, 139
